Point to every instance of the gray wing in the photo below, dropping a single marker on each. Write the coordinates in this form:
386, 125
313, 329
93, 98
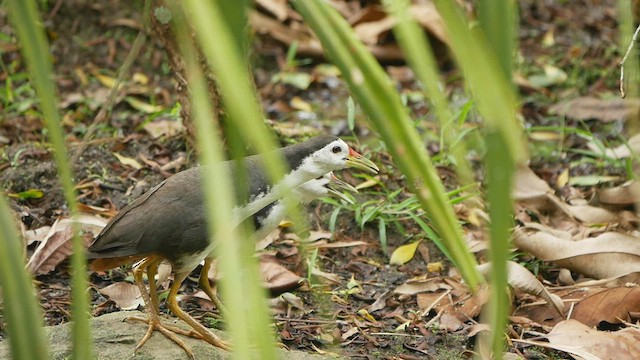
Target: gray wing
169, 216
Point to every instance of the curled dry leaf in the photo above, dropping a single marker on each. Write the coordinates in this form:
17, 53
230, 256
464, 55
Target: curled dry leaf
277, 278
167, 128
533, 192
338, 244
325, 276
56, 246
293, 300
319, 235
458, 301
126, 296
278, 8
611, 305
590, 108
449, 322
609, 255
39, 234
632, 147
381, 301
522, 279
164, 270
528, 186
621, 345
418, 285
592, 215
624, 195
268, 240
203, 300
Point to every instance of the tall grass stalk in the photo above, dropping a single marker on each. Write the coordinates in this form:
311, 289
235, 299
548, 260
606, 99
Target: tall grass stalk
487, 72
419, 55
28, 26
247, 314
379, 99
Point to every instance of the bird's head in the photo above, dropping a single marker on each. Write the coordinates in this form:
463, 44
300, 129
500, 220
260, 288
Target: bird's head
329, 153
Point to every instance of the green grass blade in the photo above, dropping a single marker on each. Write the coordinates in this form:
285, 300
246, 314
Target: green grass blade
27, 23
487, 74
379, 99
242, 288
498, 19
419, 55
21, 311
490, 86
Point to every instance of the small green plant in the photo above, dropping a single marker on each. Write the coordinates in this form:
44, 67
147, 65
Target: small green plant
397, 208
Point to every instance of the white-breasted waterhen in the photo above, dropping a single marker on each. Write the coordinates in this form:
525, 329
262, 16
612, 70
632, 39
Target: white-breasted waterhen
169, 221
265, 221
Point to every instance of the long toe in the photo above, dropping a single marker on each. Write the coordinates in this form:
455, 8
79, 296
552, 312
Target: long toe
178, 330
214, 340
168, 331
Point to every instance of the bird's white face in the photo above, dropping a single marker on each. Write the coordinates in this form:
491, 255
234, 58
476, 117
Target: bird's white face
332, 156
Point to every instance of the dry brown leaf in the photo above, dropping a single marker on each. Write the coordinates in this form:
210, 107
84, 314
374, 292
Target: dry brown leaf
277, 278
618, 345
278, 8
293, 300
126, 296
522, 279
381, 301
338, 244
166, 128
268, 240
415, 286
610, 305
370, 32
449, 322
39, 234
590, 108
632, 147
319, 235
459, 302
555, 232
426, 14
609, 255
528, 186
328, 277
349, 333
534, 193
308, 45
164, 270
56, 246
625, 194
592, 215
575, 350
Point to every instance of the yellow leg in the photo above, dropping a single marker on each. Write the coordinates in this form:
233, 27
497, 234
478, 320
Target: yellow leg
205, 333
205, 285
150, 298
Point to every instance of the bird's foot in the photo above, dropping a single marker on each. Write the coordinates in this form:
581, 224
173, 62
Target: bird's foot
168, 331
214, 340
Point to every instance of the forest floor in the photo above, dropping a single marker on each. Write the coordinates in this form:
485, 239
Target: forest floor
355, 304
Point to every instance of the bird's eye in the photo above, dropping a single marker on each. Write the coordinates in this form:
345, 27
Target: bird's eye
319, 177
336, 149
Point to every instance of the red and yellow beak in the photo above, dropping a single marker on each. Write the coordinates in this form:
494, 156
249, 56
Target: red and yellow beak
355, 160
